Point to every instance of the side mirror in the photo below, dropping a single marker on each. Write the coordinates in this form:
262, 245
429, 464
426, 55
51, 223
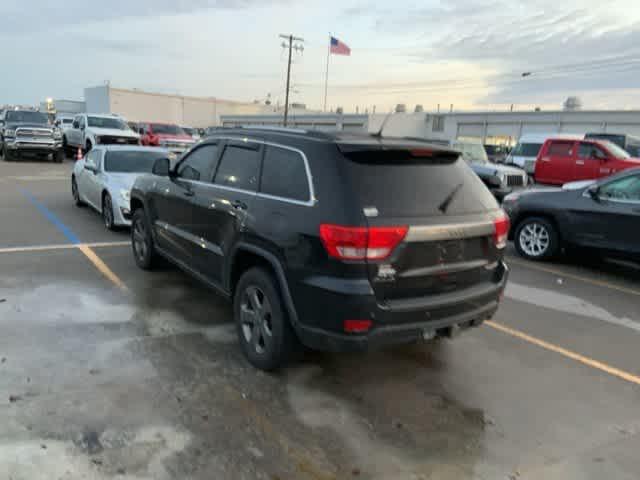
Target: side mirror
594, 192
90, 167
162, 167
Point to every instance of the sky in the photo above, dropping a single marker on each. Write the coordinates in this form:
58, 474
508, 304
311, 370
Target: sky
467, 53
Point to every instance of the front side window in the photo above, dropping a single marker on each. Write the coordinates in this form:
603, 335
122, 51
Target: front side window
588, 150
284, 174
199, 164
627, 188
92, 159
239, 168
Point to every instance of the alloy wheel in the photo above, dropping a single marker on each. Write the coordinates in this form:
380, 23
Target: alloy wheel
255, 317
534, 239
107, 212
140, 239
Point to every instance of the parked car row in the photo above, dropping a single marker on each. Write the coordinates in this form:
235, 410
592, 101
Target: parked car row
601, 215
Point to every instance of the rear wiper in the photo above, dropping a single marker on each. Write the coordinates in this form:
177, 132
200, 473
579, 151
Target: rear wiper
447, 201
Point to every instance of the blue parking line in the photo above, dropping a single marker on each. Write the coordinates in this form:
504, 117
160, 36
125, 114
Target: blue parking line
49, 215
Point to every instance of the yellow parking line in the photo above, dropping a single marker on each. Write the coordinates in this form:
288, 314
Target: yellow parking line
100, 265
555, 271
616, 372
66, 246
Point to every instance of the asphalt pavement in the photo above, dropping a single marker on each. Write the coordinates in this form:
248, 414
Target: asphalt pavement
107, 371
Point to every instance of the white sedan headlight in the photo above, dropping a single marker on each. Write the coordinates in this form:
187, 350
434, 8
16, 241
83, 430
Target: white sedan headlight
125, 195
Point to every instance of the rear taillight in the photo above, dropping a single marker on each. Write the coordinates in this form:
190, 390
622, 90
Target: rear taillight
501, 225
360, 243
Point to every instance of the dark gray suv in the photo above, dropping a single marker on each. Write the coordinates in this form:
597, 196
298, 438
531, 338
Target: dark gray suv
341, 242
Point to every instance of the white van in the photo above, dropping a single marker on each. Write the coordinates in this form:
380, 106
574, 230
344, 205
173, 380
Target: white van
524, 154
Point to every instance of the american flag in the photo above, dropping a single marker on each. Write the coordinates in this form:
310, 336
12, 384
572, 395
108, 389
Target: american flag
339, 48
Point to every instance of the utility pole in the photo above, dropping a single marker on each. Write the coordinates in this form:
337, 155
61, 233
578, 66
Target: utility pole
298, 47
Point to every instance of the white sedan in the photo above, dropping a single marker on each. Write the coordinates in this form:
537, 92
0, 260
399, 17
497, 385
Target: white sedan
103, 179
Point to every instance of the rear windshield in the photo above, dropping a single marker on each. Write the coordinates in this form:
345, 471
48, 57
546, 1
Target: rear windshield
526, 150
401, 186
131, 162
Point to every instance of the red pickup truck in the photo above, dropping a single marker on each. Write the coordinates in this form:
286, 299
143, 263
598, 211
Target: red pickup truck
168, 136
562, 160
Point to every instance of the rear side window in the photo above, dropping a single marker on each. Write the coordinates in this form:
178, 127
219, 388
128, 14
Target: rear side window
560, 149
239, 168
401, 186
284, 174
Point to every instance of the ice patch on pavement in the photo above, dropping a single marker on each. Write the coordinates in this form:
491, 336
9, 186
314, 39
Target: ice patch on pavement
319, 409
142, 456
63, 303
566, 303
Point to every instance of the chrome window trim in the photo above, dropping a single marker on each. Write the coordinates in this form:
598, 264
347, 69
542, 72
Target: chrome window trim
307, 203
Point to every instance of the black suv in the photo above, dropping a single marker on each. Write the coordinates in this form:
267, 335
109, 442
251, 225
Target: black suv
340, 242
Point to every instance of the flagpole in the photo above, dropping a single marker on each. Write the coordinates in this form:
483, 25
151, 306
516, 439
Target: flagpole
326, 77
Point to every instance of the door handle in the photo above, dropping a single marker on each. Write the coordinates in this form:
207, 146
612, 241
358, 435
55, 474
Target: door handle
188, 193
239, 205
579, 162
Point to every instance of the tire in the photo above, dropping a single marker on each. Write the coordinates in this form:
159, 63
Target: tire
107, 212
76, 193
59, 156
265, 334
536, 238
7, 155
142, 242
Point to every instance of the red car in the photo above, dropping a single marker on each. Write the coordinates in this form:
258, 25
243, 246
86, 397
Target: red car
165, 135
562, 160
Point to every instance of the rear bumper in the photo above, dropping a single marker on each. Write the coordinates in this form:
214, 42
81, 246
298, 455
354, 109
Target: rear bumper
398, 322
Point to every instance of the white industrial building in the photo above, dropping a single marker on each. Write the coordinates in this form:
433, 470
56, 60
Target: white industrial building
138, 105
488, 127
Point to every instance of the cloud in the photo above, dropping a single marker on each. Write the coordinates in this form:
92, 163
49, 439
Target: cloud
568, 46
35, 15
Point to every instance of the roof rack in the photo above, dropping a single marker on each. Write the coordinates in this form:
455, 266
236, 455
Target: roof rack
274, 128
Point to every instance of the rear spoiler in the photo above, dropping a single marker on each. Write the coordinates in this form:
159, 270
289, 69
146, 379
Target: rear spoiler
416, 147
